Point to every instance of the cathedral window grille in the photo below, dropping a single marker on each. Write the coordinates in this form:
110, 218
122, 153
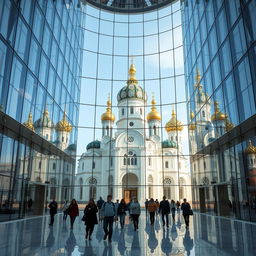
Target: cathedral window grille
93, 192
166, 164
92, 181
167, 188
132, 110
130, 160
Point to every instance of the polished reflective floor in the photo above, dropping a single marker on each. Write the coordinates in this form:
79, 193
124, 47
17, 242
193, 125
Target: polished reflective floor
207, 235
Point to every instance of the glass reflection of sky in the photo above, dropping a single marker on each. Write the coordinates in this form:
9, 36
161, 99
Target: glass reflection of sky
154, 40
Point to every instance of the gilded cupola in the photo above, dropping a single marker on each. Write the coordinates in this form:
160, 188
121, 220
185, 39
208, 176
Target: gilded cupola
44, 121
192, 125
108, 115
218, 115
250, 148
63, 125
153, 114
29, 123
132, 89
173, 124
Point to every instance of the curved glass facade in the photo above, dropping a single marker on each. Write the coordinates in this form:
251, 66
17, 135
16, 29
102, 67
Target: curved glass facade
219, 49
40, 61
127, 58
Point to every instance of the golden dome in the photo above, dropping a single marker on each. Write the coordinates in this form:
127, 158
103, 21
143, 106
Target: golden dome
192, 126
153, 114
29, 123
63, 125
108, 115
173, 124
132, 78
250, 149
218, 115
192, 115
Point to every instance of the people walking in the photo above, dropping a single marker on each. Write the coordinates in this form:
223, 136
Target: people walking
186, 209
90, 214
135, 213
178, 207
65, 210
73, 211
100, 202
152, 207
129, 209
173, 209
116, 206
53, 210
110, 214
164, 209
146, 208
157, 203
121, 212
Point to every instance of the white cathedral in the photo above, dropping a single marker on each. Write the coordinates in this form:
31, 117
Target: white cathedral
135, 161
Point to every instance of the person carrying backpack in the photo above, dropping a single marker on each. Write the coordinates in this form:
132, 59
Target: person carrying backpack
109, 212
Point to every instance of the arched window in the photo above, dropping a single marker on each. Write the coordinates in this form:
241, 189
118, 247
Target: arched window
93, 164
62, 139
149, 161
131, 159
81, 189
168, 189
92, 190
125, 159
204, 165
203, 113
122, 111
150, 186
52, 188
166, 164
82, 166
154, 128
107, 128
132, 110
39, 165
54, 166
141, 111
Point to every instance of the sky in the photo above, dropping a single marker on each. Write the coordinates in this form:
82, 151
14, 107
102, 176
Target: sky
156, 47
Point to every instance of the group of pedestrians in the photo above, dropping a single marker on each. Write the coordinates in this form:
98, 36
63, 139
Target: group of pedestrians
108, 212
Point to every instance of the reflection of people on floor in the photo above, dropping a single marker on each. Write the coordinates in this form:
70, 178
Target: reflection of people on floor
188, 242
135, 248
166, 244
88, 250
99, 235
174, 233
121, 243
50, 239
70, 243
107, 249
179, 222
152, 241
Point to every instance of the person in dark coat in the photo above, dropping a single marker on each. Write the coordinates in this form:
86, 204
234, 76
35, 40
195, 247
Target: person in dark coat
90, 213
164, 209
121, 211
186, 209
73, 211
53, 210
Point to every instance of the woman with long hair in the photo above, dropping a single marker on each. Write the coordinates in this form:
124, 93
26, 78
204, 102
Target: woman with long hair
90, 217
121, 211
73, 211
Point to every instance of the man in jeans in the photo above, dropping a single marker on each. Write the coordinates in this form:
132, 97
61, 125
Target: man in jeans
109, 212
164, 209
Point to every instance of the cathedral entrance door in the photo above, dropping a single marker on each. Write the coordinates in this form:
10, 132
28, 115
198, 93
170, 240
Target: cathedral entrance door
130, 194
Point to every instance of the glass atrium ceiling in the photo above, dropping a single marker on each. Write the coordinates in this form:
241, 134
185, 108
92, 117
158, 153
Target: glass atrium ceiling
129, 6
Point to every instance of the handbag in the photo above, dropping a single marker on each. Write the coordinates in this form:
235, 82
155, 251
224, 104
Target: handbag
191, 212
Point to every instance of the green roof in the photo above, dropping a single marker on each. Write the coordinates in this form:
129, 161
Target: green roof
93, 144
169, 144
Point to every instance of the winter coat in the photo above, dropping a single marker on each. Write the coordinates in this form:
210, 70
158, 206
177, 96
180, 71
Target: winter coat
53, 207
73, 210
90, 212
185, 207
121, 208
164, 207
135, 208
